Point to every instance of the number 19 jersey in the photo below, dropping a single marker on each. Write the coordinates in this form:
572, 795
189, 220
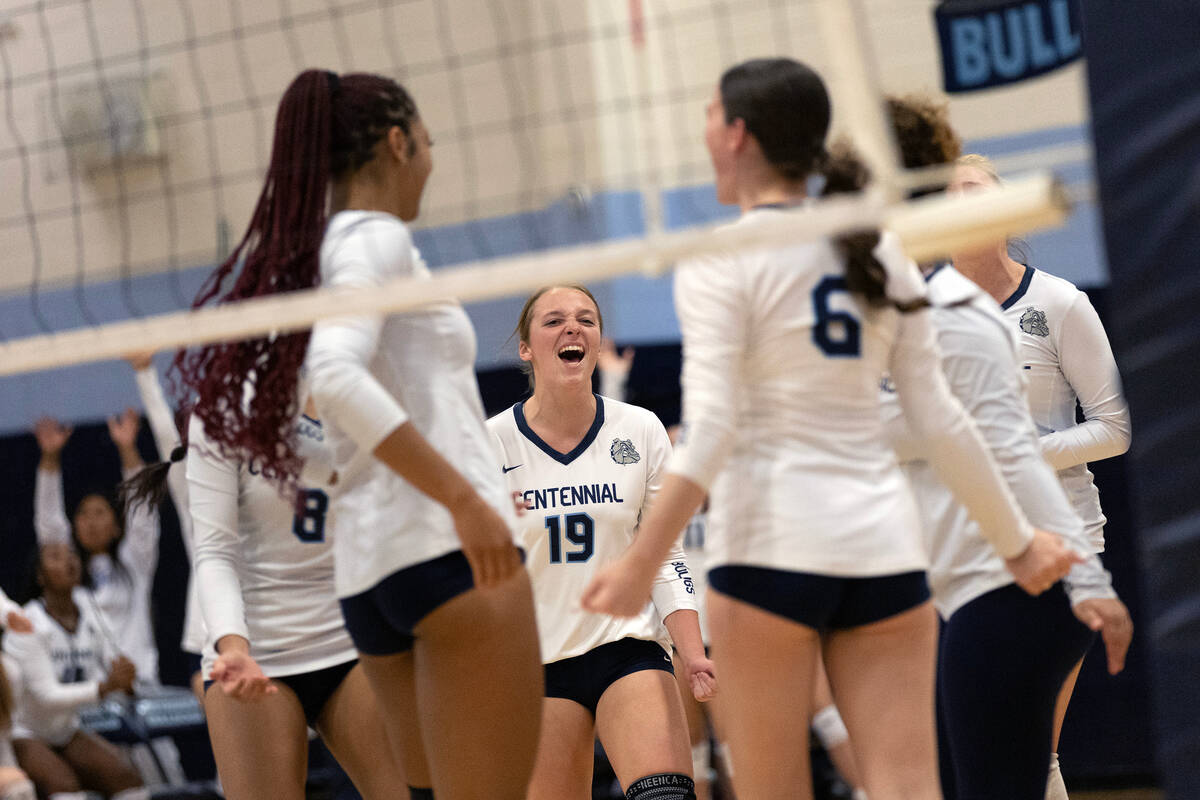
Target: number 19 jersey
582, 510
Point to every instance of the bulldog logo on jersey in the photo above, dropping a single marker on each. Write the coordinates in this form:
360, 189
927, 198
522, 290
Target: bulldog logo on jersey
623, 452
1033, 322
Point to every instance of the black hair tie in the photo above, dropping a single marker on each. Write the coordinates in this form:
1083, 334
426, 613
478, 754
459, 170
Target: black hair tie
335, 82
179, 453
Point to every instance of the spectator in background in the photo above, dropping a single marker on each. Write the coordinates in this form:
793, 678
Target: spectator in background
119, 553
67, 661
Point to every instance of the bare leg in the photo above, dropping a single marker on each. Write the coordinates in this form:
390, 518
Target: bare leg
392, 681
261, 747
1055, 788
99, 764
765, 664
352, 727
563, 769
641, 724
841, 753
478, 684
49, 771
883, 677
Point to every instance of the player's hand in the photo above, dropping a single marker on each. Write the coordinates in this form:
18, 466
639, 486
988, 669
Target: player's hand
519, 504
240, 676
123, 429
608, 360
702, 678
140, 359
120, 677
1043, 563
51, 435
620, 589
487, 542
17, 622
1110, 617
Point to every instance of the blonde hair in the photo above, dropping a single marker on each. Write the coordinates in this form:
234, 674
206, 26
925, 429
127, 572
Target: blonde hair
981, 163
1018, 248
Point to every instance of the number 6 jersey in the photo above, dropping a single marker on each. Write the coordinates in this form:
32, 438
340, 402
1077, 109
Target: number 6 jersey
582, 510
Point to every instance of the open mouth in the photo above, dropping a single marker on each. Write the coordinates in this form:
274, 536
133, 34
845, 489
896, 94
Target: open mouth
571, 353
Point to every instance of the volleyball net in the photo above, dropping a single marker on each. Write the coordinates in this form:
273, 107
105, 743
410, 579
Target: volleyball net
568, 146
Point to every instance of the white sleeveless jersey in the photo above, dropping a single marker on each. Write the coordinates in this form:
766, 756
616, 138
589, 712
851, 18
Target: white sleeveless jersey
1067, 358
581, 512
782, 366
264, 568
60, 669
371, 374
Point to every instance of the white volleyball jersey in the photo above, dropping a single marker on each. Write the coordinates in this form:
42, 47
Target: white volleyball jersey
1067, 358
979, 360
122, 590
370, 374
782, 365
582, 510
265, 568
60, 670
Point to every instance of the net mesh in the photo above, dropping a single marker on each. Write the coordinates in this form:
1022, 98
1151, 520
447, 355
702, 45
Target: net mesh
137, 132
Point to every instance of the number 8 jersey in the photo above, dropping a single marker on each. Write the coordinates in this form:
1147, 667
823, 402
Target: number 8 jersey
263, 565
582, 510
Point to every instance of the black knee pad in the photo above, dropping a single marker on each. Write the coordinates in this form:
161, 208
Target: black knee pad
420, 794
662, 786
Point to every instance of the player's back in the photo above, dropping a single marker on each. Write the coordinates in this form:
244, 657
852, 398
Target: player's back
776, 340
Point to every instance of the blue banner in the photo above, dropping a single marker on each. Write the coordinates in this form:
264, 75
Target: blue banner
988, 43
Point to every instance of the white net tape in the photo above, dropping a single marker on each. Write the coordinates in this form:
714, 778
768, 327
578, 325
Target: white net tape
928, 227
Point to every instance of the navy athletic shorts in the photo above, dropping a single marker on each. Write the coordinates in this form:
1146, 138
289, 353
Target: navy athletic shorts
381, 619
586, 677
821, 602
313, 689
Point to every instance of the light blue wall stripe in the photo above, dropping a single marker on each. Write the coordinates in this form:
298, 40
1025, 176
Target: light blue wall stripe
637, 309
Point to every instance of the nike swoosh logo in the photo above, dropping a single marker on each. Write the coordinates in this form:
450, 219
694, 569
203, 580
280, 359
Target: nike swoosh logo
510, 469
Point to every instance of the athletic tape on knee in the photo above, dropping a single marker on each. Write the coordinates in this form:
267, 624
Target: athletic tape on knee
827, 724
702, 758
420, 794
662, 786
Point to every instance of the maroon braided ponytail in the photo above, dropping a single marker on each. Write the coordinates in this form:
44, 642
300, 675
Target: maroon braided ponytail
326, 128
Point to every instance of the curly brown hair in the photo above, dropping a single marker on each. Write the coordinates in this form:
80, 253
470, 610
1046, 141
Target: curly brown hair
923, 131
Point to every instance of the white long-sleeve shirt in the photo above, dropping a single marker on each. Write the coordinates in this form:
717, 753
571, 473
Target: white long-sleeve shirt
166, 438
264, 571
370, 374
122, 591
582, 510
1067, 358
979, 361
781, 400
57, 670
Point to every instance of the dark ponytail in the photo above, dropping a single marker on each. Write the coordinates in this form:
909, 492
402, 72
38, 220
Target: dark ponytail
149, 485
845, 173
326, 128
785, 106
